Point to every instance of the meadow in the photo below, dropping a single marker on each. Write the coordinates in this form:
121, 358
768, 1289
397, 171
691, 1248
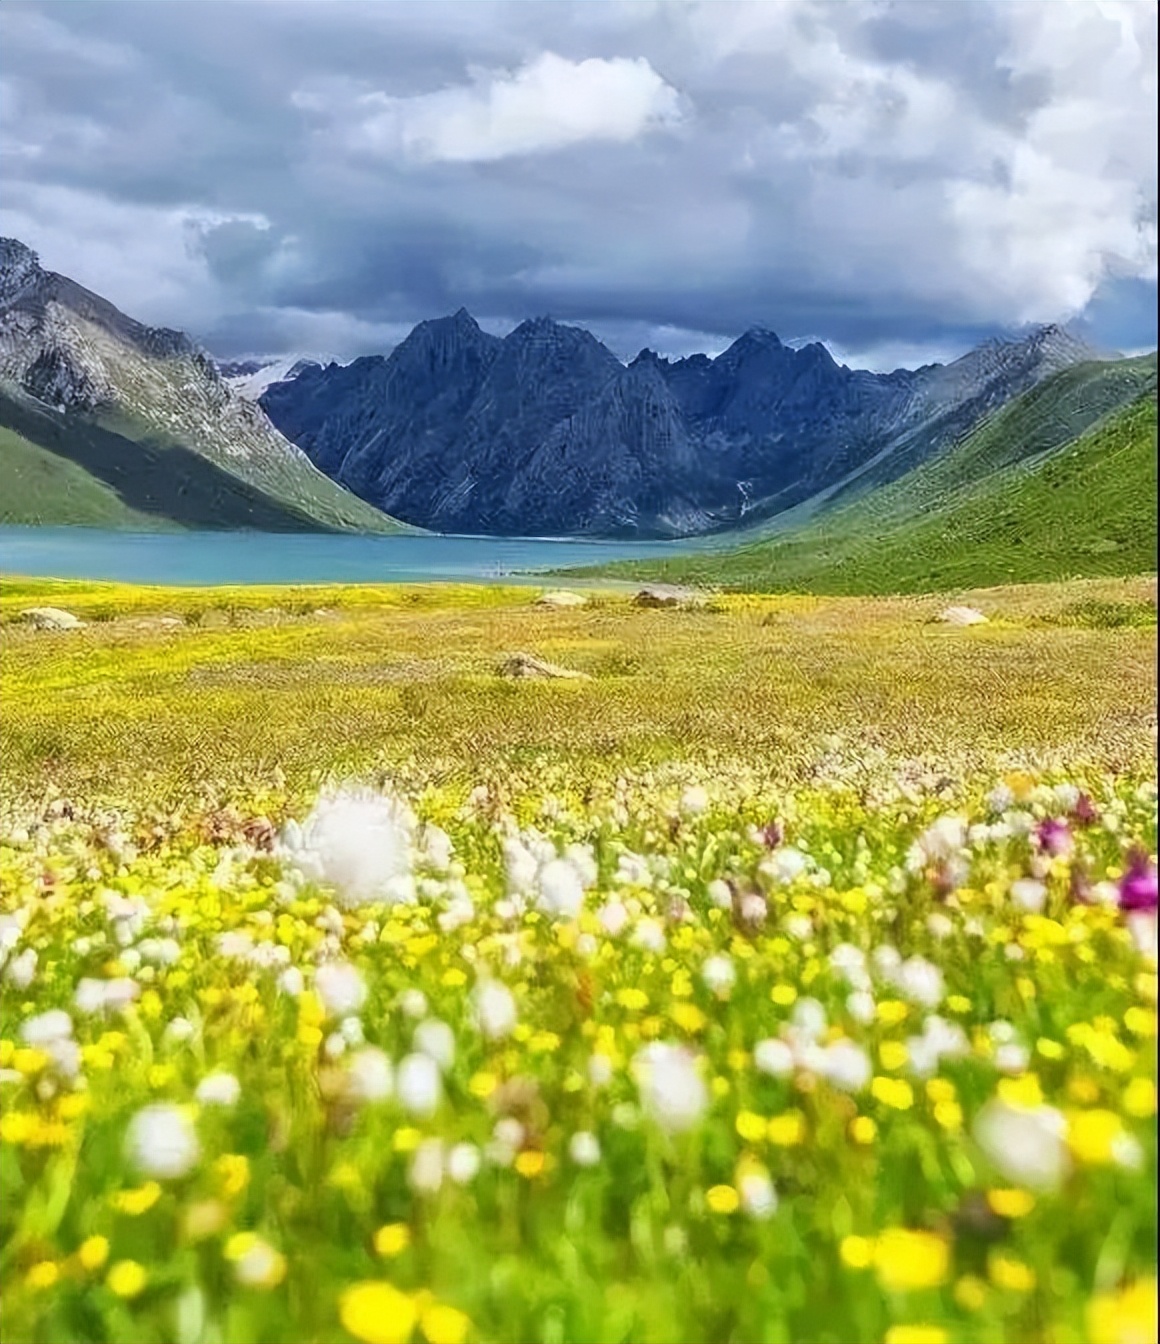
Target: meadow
789, 977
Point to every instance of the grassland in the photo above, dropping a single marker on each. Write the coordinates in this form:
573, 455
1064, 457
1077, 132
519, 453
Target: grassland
792, 979
388, 678
1020, 500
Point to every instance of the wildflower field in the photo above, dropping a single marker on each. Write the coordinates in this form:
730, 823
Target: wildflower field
790, 979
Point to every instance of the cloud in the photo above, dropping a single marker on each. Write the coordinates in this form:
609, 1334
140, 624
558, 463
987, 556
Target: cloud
545, 105
899, 178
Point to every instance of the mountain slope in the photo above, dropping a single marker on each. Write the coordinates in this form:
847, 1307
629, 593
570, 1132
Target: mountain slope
546, 432
1060, 484
59, 468
75, 352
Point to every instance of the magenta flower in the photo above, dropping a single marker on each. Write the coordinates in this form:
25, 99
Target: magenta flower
1138, 885
1053, 836
773, 834
1085, 812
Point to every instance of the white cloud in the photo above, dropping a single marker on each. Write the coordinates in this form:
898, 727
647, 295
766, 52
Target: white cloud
547, 104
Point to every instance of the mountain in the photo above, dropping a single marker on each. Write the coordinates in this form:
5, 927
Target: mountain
546, 432
66, 350
249, 378
1059, 483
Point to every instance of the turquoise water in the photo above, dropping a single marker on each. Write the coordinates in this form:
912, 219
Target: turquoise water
202, 558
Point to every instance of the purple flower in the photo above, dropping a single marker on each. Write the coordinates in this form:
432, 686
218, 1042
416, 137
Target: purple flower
1054, 837
773, 834
1138, 885
1085, 812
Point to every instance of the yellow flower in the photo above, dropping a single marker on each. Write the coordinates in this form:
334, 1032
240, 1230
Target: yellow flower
127, 1278
863, 1130
906, 1260
377, 1313
893, 1055
959, 1003
482, 1085
970, 1293
1023, 1091
893, 1092
1092, 1136
72, 1106
1127, 1316
751, 1126
43, 1274
891, 1012
1048, 1048
454, 978
787, 1130
233, 1173
857, 1252
1140, 1098
392, 1239
940, 1089
530, 1163
783, 994
93, 1252
688, 1017
949, 1115
916, 1334
1140, 1021
17, 1127
407, 1140
29, 1061
138, 1201
444, 1325
1011, 1274
722, 1199
633, 999
204, 1219
1011, 1203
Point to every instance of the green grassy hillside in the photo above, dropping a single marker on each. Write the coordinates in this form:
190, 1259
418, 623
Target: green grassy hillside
1022, 499
60, 469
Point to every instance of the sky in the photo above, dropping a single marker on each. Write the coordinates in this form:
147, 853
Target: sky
899, 179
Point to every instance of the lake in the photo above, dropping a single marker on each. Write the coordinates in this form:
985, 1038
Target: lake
206, 558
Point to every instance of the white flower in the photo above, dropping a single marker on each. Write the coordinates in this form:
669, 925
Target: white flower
753, 908
413, 1002
94, 996
495, 1009
850, 963
21, 970
437, 847
261, 1266
160, 951
1026, 1145
180, 1029
600, 1070
719, 894
54, 1025
1000, 798
718, 973
758, 1197
613, 916
845, 1065
561, 890
939, 925
352, 1030
219, 1089
1029, 894
161, 1142
649, 934
426, 1174
784, 865
360, 843
671, 1089
1142, 926
799, 927
584, 1148
694, 801
340, 987
921, 981
419, 1087
521, 865
587, 946
583, 859
436, 1040
942, 841
773, 1057
463, 1163
887, 960
290, 982
860, 1005
1012, 1058
810, 1018
370, 1077
335, 1045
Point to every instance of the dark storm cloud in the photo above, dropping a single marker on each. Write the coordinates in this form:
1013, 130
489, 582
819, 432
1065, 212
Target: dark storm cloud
898, 179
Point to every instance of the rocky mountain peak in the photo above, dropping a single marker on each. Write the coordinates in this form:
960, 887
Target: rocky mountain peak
19, 269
